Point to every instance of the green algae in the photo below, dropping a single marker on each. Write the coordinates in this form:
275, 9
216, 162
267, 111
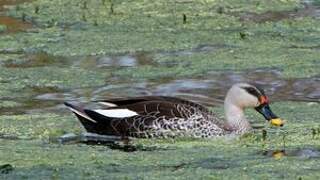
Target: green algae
258, 6
289, 44
38, 126
82, 28
5, 104
46, 77
222, 157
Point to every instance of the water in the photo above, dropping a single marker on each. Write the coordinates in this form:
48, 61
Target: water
247, 158
209, 90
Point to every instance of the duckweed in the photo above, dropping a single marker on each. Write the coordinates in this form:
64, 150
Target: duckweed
33, 156
183, 39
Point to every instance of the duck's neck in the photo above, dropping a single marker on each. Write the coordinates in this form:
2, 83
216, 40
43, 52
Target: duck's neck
236, 120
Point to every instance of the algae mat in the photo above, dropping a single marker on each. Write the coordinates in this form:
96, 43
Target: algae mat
85, 50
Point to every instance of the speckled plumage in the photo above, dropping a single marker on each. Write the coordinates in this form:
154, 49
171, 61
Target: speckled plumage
157, 117
190, 121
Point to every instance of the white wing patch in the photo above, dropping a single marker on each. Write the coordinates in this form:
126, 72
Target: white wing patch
116, 113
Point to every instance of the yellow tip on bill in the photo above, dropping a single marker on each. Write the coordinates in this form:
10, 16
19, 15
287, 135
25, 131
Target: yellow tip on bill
277, 122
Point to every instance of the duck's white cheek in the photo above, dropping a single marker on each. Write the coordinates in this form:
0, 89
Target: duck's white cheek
250, 101
116, 113
254, 102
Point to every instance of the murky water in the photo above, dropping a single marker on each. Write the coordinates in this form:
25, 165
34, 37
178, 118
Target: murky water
209, 90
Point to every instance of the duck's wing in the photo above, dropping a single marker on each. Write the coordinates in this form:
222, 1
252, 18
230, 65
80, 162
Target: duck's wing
143, 99
141, 117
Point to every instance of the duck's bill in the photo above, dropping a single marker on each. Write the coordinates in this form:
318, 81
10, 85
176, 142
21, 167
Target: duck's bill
277, 122
267, 113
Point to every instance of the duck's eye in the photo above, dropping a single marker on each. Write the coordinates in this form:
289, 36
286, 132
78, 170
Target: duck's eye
252, 91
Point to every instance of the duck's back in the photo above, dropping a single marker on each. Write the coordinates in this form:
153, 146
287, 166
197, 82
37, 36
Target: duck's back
151, 116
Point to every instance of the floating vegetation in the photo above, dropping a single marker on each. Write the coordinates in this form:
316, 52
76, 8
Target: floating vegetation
52, 51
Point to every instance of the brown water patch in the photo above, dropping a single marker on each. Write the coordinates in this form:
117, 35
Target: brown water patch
308, 10
36, 60
13, 25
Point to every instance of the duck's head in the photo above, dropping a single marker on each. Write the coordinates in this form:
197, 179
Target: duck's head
245, 95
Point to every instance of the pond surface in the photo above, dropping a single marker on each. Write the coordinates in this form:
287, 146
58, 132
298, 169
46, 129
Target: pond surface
209, 90
44, 64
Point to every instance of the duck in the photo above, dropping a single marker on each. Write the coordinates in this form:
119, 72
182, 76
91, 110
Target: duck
165, 116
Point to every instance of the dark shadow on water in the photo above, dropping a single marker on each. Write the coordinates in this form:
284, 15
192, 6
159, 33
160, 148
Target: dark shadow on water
36, 60
113, 142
